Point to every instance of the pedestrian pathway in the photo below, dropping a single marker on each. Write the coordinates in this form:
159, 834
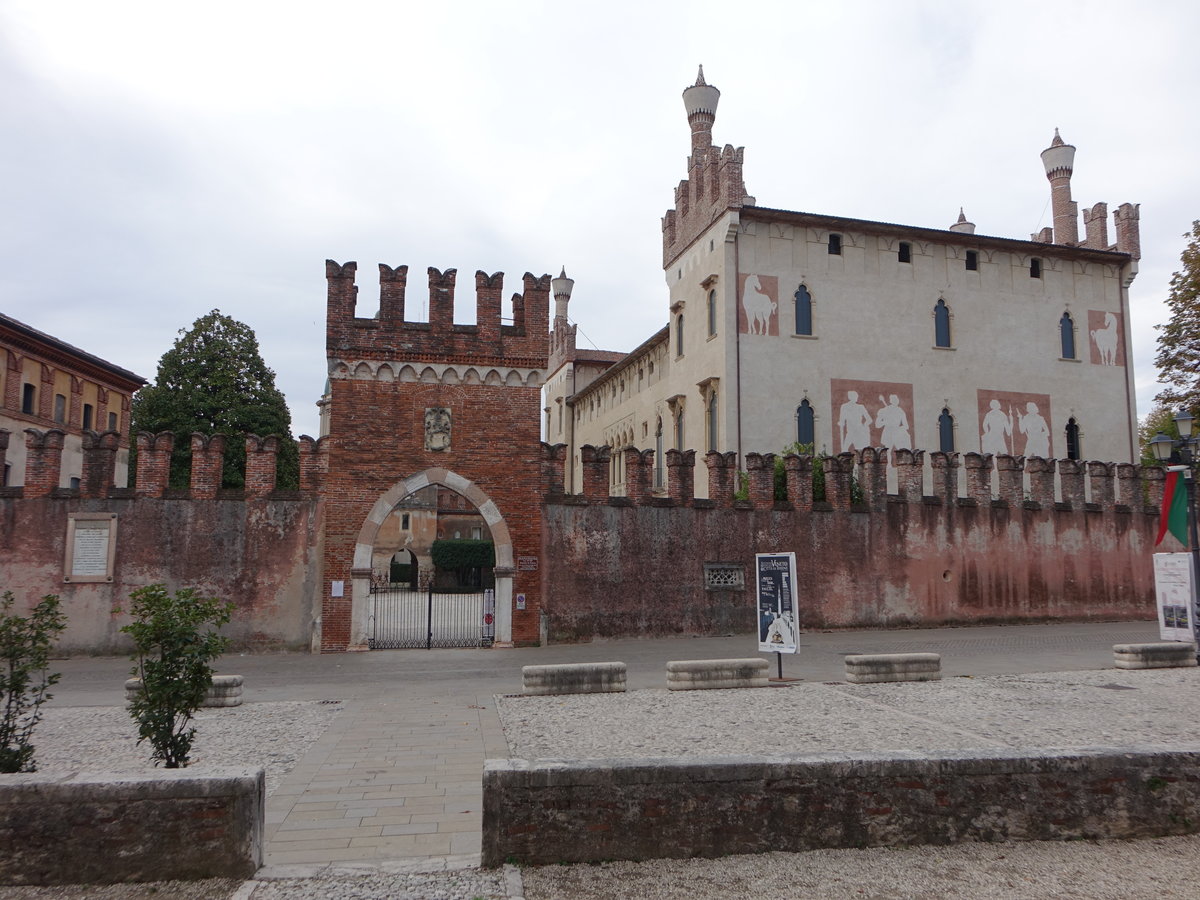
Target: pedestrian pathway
395, 781
393, 778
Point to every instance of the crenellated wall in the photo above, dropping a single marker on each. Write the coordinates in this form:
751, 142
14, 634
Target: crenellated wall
635, 565
414, 403
258, 548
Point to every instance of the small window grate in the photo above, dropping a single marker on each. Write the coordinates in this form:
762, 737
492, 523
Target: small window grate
904, 253
724, 577
972, 260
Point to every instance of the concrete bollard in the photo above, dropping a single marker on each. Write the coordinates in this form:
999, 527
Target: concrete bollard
712, 674
882, 667
574, 678
1163, 655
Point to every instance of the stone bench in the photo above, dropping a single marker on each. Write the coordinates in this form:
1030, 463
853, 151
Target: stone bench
226, 690
574, 678
875, 668
711, 674
1163, 655
156, 825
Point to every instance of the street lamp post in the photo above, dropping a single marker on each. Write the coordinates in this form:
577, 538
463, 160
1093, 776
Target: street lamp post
1182, 451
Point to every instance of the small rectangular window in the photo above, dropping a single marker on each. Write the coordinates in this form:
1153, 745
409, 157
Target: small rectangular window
87, 416
60, 408
972, 260
112, 421
835, 245
904, 254
404, 521
29, 400
1035, 268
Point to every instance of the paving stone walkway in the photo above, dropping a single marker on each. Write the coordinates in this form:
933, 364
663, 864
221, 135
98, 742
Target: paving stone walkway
392, 778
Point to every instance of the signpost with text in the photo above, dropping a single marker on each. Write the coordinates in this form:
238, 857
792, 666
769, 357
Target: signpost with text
775, 580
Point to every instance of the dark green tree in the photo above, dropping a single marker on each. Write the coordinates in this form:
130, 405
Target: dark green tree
1178, 359
215, 381
1160, 418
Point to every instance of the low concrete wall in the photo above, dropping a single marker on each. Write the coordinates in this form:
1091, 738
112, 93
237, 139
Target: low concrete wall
877, 668
1159, 655
574, 678
716, 674
163, 825
225, 691
552, 811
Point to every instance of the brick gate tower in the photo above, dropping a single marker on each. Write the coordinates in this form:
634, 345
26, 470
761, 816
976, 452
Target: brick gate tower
418, 403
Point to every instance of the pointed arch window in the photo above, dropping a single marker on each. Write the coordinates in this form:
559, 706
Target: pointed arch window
658, 454
711, 414
679, 335
806, 432
679, 429
712, 312
803, 311
1073, 439
1066, 334
946, 431
941, 324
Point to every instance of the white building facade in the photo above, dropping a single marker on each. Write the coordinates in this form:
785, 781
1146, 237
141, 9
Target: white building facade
792, 327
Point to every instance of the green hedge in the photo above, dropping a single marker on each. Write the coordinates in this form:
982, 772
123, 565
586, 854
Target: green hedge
463, 554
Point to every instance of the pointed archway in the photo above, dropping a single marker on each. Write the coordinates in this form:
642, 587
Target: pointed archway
360, 573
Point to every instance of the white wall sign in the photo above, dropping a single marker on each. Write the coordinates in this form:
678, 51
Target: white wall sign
1174, 591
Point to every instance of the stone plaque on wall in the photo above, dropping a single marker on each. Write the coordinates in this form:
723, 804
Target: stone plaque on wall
91, 547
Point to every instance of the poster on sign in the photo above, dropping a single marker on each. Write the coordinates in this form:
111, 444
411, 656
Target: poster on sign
1173, 592
776, 585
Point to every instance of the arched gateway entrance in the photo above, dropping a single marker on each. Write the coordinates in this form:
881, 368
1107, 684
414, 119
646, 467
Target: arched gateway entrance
364, 549
456, 404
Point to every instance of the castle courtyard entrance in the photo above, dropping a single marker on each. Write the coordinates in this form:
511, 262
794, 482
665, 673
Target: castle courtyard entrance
446, 608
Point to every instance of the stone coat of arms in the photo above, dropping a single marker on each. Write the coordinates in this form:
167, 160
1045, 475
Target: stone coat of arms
437, 428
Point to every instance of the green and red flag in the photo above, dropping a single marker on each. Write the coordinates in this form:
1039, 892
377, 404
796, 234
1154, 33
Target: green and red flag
1174, 510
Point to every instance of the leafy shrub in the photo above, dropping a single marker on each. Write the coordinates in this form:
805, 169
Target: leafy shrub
463, 553
176, 640
25, 682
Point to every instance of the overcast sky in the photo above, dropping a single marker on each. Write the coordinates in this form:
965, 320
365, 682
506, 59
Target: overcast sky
162, 159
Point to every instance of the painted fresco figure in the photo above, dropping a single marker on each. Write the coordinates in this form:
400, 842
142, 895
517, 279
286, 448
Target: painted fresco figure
1106, 340
759, 307
1036, 431
894, 423
996, 428
855, 423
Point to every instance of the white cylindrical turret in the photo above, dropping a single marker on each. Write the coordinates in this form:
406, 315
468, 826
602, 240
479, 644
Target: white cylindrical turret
561, 288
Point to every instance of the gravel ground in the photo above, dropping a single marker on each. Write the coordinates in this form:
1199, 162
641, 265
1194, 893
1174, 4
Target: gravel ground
466, 884
1111, 707
104, 738
1085, 870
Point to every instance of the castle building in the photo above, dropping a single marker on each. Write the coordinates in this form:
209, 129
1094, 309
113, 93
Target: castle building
793, 327
47, 384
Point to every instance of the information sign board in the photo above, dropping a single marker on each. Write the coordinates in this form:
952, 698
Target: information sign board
1174, 590
775, 580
